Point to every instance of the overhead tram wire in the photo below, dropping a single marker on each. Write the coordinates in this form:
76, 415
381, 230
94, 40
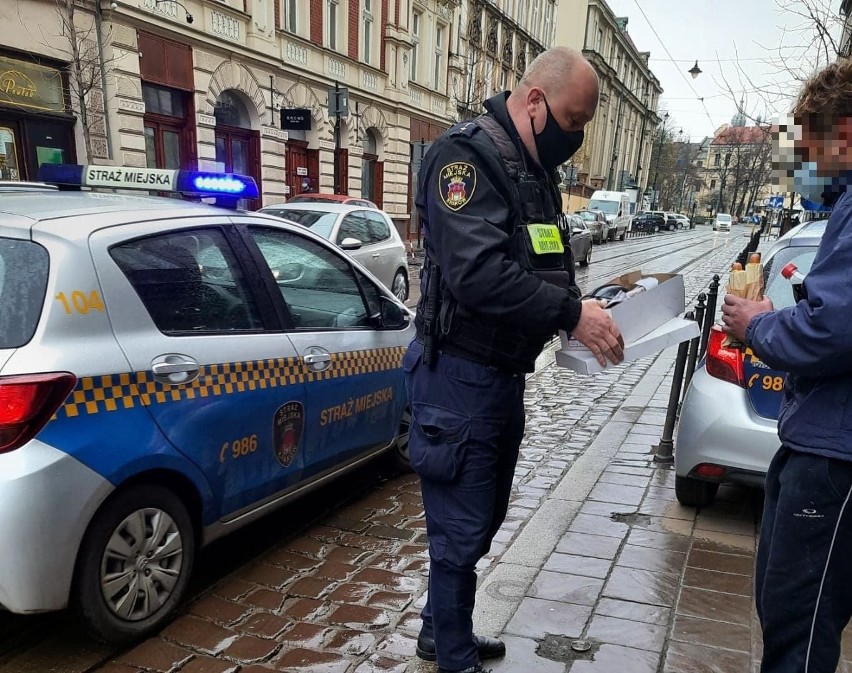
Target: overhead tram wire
671, 58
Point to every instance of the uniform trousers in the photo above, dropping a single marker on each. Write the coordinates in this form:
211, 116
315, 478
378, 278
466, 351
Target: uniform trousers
803, 575
467, 422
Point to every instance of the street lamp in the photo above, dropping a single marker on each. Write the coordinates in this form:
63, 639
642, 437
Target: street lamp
695, 71
657, 164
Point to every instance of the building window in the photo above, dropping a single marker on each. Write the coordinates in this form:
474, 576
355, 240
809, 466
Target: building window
291, 24
716, 158
599, 40
415, 38
548, 24
522, 13
164, 126
331, 38
439, 50
368, 30
535, 26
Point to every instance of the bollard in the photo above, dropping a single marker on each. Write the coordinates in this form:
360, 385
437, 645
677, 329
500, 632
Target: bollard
709, 315
665, 449
692, 355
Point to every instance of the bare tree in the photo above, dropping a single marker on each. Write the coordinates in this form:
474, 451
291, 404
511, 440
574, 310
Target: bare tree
813, 42
80, 42
470, 92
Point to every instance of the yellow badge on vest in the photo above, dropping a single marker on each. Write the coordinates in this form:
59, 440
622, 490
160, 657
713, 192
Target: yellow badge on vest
456, 183
546, 239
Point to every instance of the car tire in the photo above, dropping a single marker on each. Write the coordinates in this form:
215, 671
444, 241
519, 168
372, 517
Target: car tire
145, 509
400, 286
398, 457
623, 235
587, 259
656, 228
695, 492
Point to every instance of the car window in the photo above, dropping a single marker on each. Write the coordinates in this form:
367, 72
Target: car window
354, 225
23, 283
189, 281
318, 285
371, 293
778, 288
586, 215
318, 221
379, 229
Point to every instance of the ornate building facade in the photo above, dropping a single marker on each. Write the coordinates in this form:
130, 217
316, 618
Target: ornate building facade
616, 153
249, 86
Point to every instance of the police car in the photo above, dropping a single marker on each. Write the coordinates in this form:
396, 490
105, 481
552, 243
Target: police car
170, 371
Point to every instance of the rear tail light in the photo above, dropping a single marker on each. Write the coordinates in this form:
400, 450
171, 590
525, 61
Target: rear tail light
724, 362
26, 404
710, 471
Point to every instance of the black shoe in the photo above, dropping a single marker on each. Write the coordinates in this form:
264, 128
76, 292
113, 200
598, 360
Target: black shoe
473, 669
488, 648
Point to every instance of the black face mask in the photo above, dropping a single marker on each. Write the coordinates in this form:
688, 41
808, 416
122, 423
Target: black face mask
554, 145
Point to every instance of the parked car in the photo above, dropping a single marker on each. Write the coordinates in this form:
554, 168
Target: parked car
672, 222
651, 222
367, 234
581, 240
333, 198
596, 222
169, 372
722, 222
728, 422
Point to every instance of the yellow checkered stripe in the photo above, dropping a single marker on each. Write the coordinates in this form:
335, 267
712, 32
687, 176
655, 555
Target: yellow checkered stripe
113, 392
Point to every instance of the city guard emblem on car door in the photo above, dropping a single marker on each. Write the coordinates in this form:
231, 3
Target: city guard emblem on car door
287, 431
456, 183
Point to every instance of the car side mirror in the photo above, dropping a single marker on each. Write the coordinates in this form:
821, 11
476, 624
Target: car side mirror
350, 244
577, 230
288, 272
392, 315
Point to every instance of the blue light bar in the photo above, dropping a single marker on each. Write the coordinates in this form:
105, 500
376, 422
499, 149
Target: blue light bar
195, 183
61, 174
217, 184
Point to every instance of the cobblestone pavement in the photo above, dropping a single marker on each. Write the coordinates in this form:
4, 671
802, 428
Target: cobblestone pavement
594, 546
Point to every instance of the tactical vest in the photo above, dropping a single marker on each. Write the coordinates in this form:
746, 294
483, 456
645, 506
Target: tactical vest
537, 210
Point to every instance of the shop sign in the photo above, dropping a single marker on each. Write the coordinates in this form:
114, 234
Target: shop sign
296, 119
30, 86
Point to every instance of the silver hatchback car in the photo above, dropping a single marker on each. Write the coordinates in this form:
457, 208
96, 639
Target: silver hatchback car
170, 371
367, 234
728, 428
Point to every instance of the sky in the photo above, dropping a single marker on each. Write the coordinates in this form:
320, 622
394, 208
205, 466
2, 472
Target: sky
730, 39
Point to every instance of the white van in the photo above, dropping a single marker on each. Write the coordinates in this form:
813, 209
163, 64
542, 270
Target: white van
616, 207
722, 222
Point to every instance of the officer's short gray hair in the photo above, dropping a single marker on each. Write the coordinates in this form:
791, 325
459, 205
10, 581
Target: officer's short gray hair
551, 68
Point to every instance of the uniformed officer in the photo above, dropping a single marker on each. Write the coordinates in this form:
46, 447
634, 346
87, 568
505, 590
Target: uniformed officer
498, 283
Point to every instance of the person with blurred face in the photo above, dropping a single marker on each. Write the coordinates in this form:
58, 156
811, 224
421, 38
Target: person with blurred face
803, 575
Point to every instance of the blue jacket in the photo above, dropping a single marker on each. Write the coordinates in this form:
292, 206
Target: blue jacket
813, 342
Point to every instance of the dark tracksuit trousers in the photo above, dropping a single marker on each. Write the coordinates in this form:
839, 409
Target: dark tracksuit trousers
466, 428
803, 578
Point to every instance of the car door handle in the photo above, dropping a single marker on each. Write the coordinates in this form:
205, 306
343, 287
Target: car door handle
316, 358
162, 368
174, 369
377, 254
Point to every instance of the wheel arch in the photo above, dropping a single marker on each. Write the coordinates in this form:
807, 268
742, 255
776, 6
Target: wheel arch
172, 480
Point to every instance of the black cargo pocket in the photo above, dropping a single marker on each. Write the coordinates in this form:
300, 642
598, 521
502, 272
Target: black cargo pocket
436, 441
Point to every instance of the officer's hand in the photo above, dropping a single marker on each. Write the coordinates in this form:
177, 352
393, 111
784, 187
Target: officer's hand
597, 331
